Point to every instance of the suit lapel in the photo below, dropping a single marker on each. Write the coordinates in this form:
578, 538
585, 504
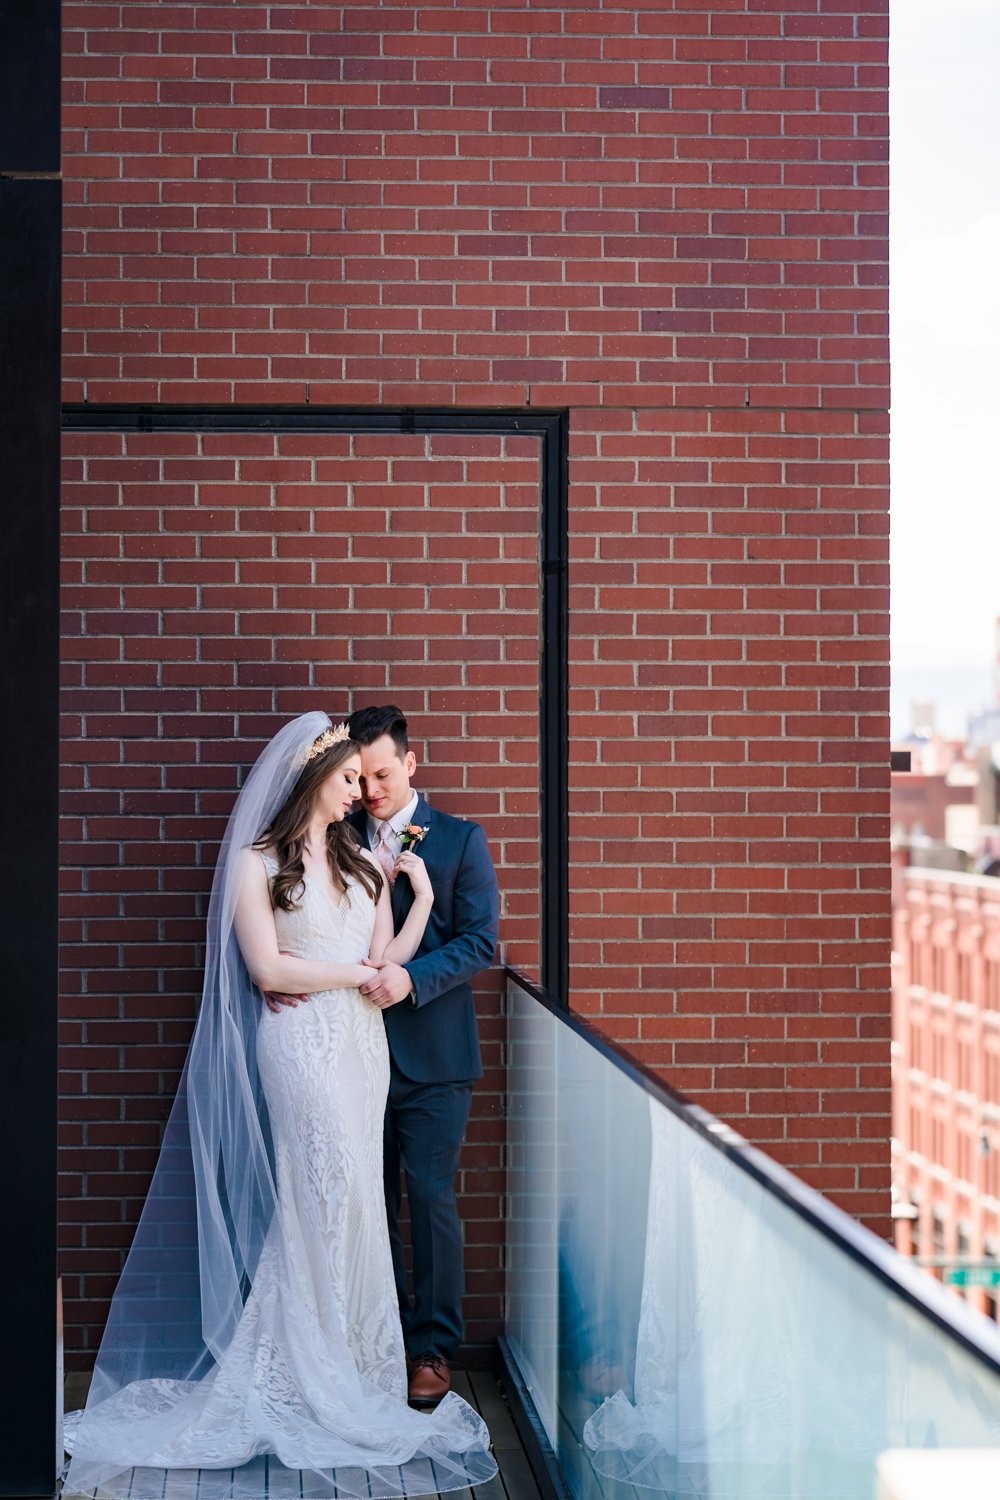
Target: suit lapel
402, 891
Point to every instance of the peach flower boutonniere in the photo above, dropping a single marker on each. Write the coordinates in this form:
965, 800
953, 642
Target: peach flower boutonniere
414, 834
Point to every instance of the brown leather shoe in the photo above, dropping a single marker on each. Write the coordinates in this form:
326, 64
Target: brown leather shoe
430, 1380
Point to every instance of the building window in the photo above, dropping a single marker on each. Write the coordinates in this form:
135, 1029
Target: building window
916, 1129
916, 962
990, 1307
939, 969
937, 1142
937, 1233
939, 1053
915, 1049
991, 1077
992, 985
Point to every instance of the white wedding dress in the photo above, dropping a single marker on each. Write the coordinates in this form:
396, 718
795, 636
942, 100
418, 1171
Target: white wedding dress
315, 1376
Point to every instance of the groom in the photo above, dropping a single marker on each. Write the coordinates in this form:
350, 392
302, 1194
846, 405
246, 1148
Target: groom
430, 1021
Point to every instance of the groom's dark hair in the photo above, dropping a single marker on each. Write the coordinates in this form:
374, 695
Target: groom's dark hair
369, 724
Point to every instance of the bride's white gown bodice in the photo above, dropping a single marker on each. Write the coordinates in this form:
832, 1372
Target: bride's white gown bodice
325, 1068
316, 1373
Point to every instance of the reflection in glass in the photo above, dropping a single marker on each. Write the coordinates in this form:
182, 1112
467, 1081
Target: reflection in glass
689, 1332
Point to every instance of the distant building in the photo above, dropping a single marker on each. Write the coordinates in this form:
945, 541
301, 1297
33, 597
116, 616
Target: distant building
935, 801
946, 1072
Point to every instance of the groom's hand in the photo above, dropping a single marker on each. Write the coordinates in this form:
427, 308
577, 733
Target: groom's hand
277, 1002
390, 985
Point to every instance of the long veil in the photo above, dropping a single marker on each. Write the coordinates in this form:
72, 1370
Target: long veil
202, 1231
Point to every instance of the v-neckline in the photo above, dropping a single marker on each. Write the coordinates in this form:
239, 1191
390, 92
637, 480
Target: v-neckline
311, 881
324, 888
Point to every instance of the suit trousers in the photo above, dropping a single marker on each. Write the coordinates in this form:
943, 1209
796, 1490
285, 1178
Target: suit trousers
424, 1129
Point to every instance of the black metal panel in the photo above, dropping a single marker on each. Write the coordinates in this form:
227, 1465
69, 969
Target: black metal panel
29, 86
552, 427
29, 771
85, 416
555, 712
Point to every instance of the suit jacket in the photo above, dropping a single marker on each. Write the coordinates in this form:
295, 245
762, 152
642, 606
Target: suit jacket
433, 1036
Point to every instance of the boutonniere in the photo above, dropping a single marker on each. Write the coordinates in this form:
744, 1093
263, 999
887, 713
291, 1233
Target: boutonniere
414, 834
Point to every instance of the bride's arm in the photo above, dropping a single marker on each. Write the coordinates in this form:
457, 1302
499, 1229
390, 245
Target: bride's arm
271, 970
399, 949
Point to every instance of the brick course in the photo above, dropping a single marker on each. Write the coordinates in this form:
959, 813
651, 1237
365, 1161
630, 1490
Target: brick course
521, 205
670, 221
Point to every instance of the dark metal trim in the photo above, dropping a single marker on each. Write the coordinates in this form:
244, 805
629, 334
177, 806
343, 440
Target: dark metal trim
874, 1255
535, 1440
30, 286
552, 428
30, 92
91, 417
899, 760
555, 712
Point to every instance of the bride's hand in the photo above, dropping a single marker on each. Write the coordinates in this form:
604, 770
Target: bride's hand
413, 867
366, 971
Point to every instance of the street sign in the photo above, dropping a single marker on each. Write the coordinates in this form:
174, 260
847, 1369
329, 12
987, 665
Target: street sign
973, 1276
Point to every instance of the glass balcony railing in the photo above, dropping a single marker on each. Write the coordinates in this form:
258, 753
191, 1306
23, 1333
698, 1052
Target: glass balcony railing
686, 1317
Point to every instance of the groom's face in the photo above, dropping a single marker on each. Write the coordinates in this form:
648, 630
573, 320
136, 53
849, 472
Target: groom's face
385, 777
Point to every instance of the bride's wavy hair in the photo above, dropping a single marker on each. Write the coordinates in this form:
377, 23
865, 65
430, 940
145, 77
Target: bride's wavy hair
286, 835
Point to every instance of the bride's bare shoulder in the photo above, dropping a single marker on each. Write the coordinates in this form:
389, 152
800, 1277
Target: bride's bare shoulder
255, 862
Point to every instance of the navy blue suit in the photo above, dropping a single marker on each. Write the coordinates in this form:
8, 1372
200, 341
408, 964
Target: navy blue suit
434, 1058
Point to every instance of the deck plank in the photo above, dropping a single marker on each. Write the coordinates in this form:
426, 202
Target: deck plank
489, 1401
316, 1486
492, 1490
515, 1471
515, 1479
181, 1484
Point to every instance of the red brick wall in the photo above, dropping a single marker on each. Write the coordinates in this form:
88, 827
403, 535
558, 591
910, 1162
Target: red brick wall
670, 222
730, 769
216, 585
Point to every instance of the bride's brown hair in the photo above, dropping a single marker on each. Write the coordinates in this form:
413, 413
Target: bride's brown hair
286, 835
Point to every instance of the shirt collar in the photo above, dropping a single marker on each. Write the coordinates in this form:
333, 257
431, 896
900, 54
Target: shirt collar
397, 822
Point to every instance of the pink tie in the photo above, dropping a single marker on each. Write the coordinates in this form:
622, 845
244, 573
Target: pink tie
384, 854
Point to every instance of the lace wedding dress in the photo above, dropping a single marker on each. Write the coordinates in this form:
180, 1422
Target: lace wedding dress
315, 1376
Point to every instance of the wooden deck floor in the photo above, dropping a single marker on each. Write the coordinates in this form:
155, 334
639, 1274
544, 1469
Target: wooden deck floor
515, 1480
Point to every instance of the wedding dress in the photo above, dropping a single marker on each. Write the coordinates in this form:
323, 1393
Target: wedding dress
308, 1396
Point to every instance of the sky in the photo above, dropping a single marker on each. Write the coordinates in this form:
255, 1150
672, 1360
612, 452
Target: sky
945, 329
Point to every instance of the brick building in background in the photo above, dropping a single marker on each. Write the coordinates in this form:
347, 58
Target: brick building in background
668, 222
946, 1072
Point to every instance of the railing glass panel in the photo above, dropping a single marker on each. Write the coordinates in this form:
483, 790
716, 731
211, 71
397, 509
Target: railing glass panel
690, 1319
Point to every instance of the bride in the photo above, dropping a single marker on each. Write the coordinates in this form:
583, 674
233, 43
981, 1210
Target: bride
254, 1335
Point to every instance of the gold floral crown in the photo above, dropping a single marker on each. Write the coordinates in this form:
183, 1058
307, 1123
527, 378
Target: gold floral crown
329, 737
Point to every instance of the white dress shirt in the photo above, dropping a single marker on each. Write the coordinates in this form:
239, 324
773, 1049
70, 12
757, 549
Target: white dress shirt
397, 823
